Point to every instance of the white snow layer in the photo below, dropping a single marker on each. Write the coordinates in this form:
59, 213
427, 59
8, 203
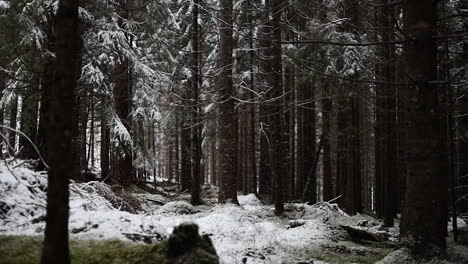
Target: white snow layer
249, 232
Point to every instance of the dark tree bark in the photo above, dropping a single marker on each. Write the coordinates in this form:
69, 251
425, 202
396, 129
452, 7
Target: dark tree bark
386, 184
196, 110
122, 92
13, 115
327, 105
105, 148
390, 182
185, 170
227, 120
80, 137
278, 144
251, 126
424, 216
308, 142
349, 145
264, 181
55, 248
2, 109
29, 114
123, 172
212, 159
46, 86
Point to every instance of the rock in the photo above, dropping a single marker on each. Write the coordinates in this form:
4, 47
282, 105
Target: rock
296, 223
185, 245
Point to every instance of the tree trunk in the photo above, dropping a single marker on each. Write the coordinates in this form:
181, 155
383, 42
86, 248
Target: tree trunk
196, 120
55, 248
278, 143
105, 148
46, 86
326, 131
227, 136
13, 115
308, 142
29, 114
185, 170
122, 106
424, 220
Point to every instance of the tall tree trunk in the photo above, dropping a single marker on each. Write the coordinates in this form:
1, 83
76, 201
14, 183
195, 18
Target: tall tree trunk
185, 152
13, 115
122, 105
424, 220
326, 131
227, 148
29, 114
46, 87
390, 133
264, 181
195, 113
278, 143
349, 118
122, 98
55, 248
308, 141
105, 148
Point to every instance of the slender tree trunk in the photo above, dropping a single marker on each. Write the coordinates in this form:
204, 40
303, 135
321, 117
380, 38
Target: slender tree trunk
265, 180
46, 87
349, 124
92, 133
29, 114
105, 148
326, 131
228, 154
278, 144
122, 98
185, 171
55, 248
251, 145
196, 124
13, 115
122, 105
390, 185
2, 109
308, 141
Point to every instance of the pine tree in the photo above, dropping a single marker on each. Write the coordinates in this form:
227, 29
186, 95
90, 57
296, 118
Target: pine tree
56, 248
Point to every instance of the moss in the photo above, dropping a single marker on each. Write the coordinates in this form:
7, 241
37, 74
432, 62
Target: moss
20, 249
27, 249
342, 254
189, 247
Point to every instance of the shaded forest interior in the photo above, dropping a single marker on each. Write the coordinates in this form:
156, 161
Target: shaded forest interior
359, 103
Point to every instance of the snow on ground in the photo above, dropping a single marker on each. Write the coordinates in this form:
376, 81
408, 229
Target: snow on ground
249, 232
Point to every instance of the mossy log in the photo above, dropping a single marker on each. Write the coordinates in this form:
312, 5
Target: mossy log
358, 235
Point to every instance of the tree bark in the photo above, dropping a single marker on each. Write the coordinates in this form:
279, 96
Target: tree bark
13, 116
56, 248
29, 114
105, 148
424, 220
278, 144
196, 123
228, 138
326, 131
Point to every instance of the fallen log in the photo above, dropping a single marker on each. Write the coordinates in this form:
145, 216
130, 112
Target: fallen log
156, 201
358, 235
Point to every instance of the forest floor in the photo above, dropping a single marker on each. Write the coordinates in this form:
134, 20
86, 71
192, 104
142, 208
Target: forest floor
248, 233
